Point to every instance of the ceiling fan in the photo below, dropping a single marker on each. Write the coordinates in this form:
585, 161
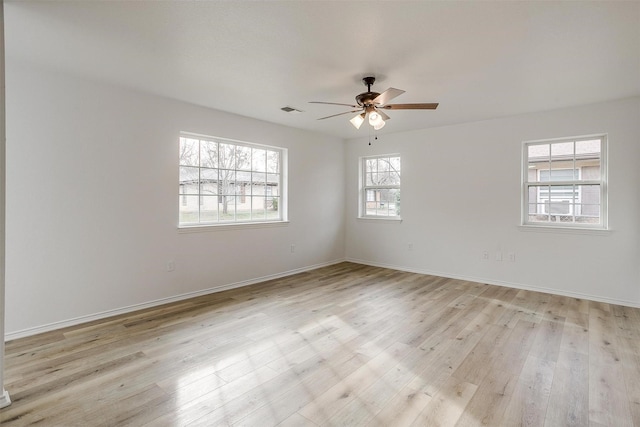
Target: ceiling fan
370, 106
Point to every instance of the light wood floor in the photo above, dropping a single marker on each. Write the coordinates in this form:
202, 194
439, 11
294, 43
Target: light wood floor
343, 345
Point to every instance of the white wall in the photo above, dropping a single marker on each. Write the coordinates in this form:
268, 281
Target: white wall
461, 197
92, 204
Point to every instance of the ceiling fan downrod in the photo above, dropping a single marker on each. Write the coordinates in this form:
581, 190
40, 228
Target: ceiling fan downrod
368, 82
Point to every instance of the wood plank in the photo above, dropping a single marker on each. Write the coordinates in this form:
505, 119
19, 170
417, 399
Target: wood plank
531, 394
608, 402
447, 405
570, 390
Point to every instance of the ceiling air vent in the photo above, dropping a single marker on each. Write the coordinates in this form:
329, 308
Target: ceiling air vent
291, 110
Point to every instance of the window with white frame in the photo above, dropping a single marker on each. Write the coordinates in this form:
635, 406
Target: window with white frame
380, 187
564, 182
224, 181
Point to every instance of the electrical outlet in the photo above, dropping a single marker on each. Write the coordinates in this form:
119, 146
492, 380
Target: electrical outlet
170, 266
512, 256
410, 246
293, 248
485, 255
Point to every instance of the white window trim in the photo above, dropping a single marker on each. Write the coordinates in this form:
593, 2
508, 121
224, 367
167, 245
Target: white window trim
603, 183
283, 184
362, 189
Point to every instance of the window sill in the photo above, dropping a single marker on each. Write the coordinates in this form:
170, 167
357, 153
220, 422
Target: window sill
199, 228
380, 218
565, 230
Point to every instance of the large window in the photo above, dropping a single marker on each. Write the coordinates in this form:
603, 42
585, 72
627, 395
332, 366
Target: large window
224, 181
380, 187
564, 182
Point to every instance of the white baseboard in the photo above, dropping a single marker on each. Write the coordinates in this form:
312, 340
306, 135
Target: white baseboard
124, 310
4, 399
501, 283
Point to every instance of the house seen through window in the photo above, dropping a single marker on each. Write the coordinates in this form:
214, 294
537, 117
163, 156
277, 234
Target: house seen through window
380, 187
564, 182
224, 181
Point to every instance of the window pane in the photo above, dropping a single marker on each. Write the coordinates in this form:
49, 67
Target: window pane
538, 152
243, 209
394, 178
226, 156
558, 175
189, 151
189, 207
273, 207
563, 207
383, 165
258, 207
588, 149
394, 202
259, 179
243, 158
395, 164
259, 160
208, 154
563, 165
273, 179
226, 183
387, 202
189, 188
562, 149
371, 197
370, 165
540, 214
209, 181
273, 161
209, 209
590, 170
189, 179
589, 207
227, 207
533, 194
533, 173
369, 180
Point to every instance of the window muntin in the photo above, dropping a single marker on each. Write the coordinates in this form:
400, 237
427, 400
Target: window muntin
563, 182
224, 181
380, 189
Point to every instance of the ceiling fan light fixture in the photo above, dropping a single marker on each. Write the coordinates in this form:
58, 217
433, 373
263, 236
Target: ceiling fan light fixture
376, 120
379, 125
357, 121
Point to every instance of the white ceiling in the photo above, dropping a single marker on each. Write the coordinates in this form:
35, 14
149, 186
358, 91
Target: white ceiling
480, 60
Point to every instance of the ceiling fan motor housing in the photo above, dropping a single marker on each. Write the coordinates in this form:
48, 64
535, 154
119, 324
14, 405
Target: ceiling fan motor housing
365, 99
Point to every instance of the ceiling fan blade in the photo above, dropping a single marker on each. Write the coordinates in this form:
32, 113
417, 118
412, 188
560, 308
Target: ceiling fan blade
383, 115
340, 114
333, 103
424, 106
387, 96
